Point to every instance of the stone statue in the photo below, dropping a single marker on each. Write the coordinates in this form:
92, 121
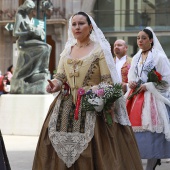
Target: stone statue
31, 72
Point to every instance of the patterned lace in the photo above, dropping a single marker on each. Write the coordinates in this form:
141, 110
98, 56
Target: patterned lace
69, 146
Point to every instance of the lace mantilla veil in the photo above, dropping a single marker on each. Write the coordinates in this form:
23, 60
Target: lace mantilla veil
98, 37
158, 46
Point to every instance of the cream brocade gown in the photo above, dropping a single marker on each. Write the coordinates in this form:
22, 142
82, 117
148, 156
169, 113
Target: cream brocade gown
88, 143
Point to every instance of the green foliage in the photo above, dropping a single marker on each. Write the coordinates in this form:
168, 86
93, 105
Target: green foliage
110, 95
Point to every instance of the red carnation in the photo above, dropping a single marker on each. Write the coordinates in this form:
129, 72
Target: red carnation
158, 75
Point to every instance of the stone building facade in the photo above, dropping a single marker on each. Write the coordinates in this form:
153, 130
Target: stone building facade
117, 19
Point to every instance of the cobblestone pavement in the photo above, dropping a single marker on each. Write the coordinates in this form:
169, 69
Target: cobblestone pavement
21, 149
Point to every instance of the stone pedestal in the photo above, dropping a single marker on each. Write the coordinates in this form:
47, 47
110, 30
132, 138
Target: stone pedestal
23, 114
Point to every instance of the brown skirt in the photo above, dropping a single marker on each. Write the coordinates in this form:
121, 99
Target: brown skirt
112, 148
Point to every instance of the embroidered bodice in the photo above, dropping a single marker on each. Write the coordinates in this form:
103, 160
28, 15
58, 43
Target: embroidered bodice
85, 72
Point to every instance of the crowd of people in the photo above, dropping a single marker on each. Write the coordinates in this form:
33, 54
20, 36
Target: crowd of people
141, 126
73, 138
146, 97
87, 142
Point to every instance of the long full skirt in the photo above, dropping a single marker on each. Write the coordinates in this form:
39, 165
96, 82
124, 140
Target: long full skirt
153, 145
111, 148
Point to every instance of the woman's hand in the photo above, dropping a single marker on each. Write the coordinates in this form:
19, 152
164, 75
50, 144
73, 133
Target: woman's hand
124, 87
132, 84
142, 88
53, 86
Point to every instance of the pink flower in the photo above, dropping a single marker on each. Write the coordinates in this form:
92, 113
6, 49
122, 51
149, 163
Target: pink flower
100, 92
128, 66
81, 91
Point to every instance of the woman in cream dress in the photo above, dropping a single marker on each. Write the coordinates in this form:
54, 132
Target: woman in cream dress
88, 143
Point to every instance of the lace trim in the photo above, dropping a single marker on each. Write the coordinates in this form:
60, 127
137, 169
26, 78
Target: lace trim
154, 107
121, 115
162, 124
69, 146
138, 129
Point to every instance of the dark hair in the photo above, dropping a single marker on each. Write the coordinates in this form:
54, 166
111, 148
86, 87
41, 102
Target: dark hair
85, 15
9, 68
149, 33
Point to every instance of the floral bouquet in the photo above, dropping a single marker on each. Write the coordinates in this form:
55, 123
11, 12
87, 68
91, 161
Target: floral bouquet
100, 97
153, 76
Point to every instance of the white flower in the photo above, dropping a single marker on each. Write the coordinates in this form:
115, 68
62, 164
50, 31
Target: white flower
98, 103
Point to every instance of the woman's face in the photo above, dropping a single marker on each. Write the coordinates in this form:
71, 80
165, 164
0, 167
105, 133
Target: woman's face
143, 41
80, 28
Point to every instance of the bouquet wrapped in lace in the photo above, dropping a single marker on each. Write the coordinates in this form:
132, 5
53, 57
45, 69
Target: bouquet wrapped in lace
100, 97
